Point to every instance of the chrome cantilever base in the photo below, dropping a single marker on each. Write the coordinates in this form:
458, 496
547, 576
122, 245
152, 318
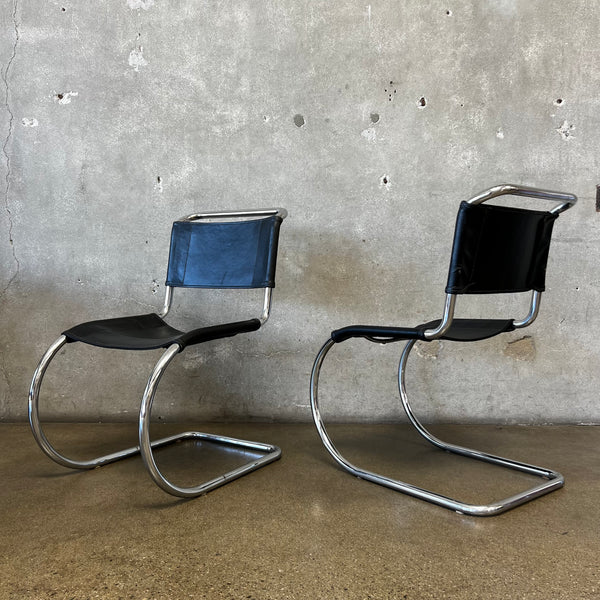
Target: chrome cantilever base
146, 446
553, 479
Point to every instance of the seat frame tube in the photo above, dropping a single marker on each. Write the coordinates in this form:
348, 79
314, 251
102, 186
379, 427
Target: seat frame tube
553, 479
146, 446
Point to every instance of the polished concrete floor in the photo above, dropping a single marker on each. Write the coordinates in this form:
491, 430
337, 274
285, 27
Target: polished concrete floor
299, 528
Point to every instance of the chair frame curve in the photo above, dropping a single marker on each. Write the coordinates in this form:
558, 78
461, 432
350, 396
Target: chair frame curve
554, 480
147, 446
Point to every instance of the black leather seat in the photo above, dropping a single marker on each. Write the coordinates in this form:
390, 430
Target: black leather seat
150, 332
460, 330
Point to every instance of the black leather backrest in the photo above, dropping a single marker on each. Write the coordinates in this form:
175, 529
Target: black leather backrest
499, 249
234, 254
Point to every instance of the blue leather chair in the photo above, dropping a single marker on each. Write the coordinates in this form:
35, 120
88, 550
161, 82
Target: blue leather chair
208, 250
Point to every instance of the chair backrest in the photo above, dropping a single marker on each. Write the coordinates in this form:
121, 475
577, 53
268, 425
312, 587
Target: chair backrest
499, 249
224, 254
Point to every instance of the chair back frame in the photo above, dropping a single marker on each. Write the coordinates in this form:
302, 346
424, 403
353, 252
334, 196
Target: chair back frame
236, 214
565, 201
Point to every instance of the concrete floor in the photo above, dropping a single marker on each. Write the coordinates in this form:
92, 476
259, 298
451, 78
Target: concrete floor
299, 528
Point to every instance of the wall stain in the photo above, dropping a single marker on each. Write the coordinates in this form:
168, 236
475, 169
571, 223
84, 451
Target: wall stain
429, 350
521, 349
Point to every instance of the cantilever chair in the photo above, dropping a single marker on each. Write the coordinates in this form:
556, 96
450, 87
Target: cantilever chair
208, 250
497, 249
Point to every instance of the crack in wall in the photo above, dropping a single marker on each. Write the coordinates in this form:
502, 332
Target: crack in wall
9, 135
5, 399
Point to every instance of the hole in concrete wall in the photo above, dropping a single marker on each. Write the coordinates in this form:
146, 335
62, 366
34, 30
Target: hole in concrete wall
566, 130
299, 121
64, 97
422, 103
384, 181
558, 101
391, 91
374, 118
449, 13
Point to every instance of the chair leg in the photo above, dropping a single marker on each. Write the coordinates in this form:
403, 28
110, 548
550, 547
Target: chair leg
36, 426
553, 479
272, 453
146, 446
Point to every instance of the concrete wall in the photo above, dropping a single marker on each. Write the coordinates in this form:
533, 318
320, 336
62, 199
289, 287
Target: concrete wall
369, 122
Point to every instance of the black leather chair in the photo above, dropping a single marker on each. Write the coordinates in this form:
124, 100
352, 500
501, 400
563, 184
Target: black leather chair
208, 250
496, 250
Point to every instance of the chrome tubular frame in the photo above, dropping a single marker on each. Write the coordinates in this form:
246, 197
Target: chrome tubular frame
432, 334
566, 200
167, 303
234, 214
534, 310
266, 305
554, 480
146, 446
266, 310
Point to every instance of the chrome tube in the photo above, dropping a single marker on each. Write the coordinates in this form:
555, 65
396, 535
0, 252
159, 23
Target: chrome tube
272, 453
554, 480
266, 305
432, 334
318, 420
167, 303
265, 212
566, 200
36, 426
146, 447
534, 310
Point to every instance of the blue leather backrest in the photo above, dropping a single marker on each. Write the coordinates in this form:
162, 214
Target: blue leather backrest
499, 249
234, 254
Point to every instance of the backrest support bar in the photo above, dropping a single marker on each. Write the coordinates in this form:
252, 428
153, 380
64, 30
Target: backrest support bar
566, 200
